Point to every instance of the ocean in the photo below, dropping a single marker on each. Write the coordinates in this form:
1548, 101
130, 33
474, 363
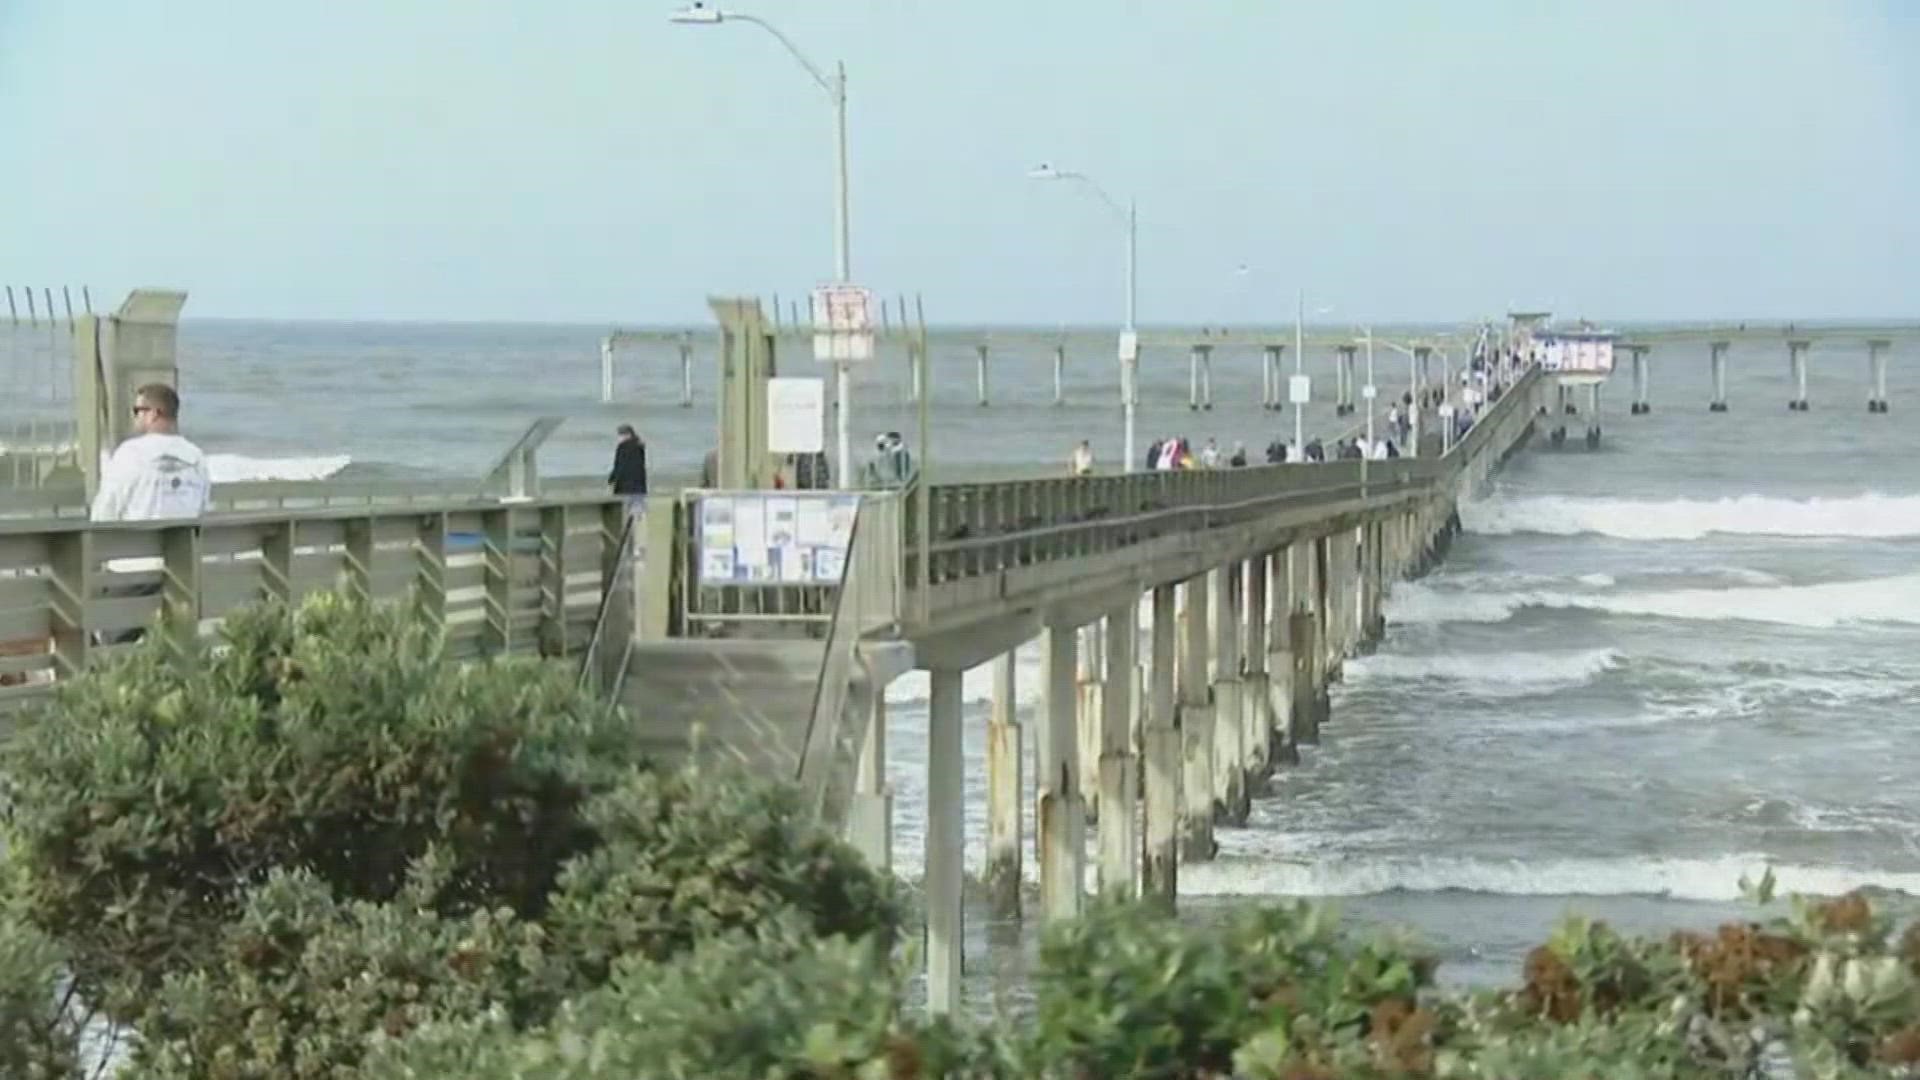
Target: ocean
1641, 673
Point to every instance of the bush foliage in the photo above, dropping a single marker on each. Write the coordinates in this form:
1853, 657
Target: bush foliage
320, 851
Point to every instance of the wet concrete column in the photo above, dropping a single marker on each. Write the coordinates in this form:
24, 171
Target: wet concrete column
1301, 627
1281, 748
945, 837
686, 375
1005, 798
1797, 360
1206, 377
1229, 702
1269, 377
1160, 741
1059, 820
1593, 415
1717, 359
870, 820
1059, 375
1257, 712
1193, 378
1196, 727
1119, 767
1877, 372
980, 374
1091, 678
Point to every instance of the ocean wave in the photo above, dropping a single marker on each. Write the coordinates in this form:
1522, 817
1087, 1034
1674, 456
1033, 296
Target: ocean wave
1494, 674
1883, 600
1712, 879
1870, 515
239, 468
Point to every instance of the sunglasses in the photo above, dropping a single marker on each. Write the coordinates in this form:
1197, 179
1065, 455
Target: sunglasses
138, 409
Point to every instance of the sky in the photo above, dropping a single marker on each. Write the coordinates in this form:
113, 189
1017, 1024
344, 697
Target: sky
588, 160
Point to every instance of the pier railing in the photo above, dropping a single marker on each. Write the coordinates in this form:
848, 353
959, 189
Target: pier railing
504, 578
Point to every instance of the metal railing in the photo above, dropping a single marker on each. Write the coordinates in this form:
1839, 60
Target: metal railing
604, 662
38, 433
866, 601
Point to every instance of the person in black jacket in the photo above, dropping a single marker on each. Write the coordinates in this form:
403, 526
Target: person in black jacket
629, 475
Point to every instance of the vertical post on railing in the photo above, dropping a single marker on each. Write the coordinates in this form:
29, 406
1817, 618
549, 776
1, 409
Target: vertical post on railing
180, 589
358, 571
553, 581
616, 633
276, 564
71, 565
497, 578
429, 572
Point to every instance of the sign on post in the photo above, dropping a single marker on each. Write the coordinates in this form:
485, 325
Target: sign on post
1299, 389
796, 415
842, 324
775, 538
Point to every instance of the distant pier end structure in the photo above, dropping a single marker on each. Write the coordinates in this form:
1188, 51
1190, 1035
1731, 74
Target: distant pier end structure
1575, 359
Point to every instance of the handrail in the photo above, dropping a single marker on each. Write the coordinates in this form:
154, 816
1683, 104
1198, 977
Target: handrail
615, 591
830, 686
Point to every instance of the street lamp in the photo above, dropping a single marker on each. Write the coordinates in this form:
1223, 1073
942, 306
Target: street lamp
1129, 338
1413, 390
699, 14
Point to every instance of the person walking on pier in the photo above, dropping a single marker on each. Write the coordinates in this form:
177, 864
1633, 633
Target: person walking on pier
156, 475
629, 474
1081, 461
1210, 457
892, 467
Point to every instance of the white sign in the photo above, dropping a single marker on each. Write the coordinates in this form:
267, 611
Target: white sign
1369, 391
1446, 410
1129, 345
1299, 389
796, 415
842, 323
775, 537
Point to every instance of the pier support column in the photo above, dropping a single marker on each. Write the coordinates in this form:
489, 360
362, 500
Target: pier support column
1119, 768
980, 374
1270, 378
1301, 627
686, 375
1877, 373
1257, 712
1797, 361
1206, 378
1196, 728
870, 820
1005, 797
1059, 820
945, 833
1160, 740
1343, 381
1717, 360
1282, 748
1091, 676
1323, 654
606, 366
1593, 415
1193, 378
1059, 375
914, 389
1229, 702
1642, 383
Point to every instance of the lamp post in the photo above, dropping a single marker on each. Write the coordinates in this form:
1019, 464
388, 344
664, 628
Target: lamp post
1129, 340
1413, 388
699, 14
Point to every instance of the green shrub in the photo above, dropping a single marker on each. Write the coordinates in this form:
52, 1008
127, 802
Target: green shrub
686, 856
149, 797
39, 1031
301, 985
777, 1003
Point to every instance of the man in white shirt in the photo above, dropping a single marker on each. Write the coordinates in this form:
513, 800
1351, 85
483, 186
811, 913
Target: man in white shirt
157, 475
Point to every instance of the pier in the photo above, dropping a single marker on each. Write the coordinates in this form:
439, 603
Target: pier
1190, 622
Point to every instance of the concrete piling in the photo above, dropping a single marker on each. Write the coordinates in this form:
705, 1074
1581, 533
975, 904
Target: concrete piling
1257, 704
1119, 768
870, 825
1089, 716
1193, 379
1059, 375
946, 813
686, 375
1282, 750
1160, 741
1877, 375
1004, 792
980, 374
1797, 363
1717, 359
1206, 377
1060, 824
1196, 728
1229, 756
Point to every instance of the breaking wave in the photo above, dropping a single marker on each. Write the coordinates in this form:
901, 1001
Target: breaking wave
1712, 879
1871, 515
1887, 600
238, 468
1506, 673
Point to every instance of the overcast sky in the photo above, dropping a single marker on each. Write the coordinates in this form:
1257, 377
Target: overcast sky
587, 160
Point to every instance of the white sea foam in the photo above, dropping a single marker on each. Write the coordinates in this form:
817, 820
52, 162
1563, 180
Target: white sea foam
1492, 674
1686, 879
239, 468
1887, 600
1871, 515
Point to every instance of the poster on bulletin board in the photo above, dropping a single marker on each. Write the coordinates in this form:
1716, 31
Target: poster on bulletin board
775, 537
